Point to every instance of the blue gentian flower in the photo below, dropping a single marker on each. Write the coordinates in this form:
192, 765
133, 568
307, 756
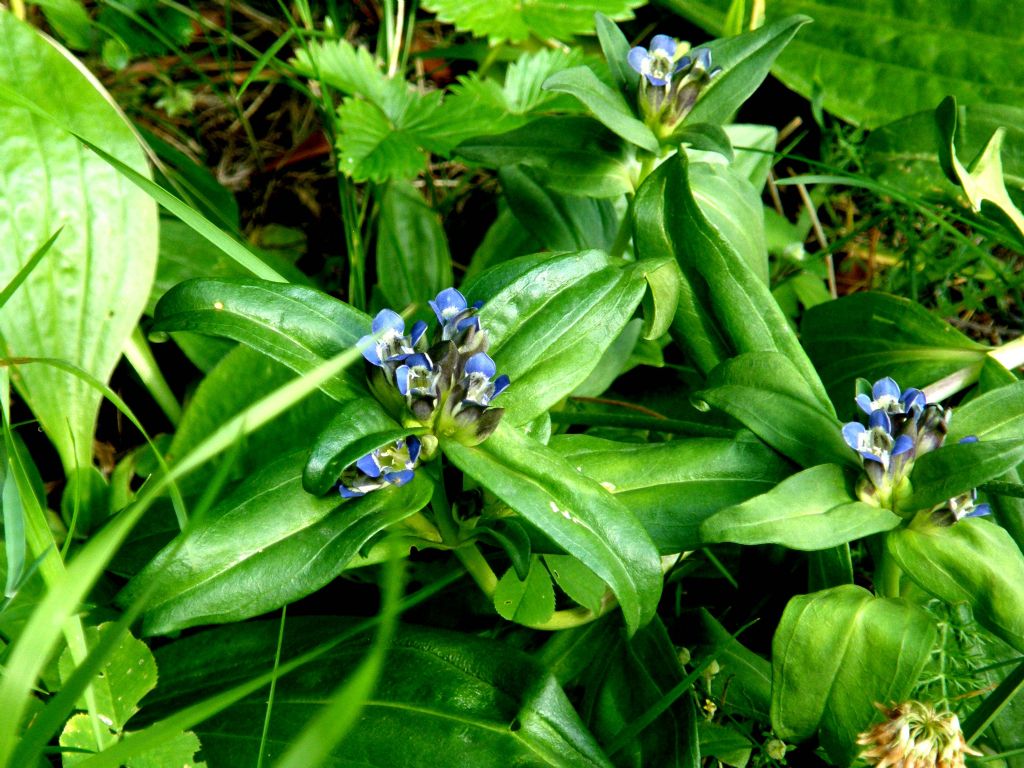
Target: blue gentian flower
454, 313
876, 442
416, 376
480, 390
657, 64
387, 341
886, 396
388, 465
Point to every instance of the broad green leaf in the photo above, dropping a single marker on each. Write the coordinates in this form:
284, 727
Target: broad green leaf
413, 263
972, 561
873, 335
983, 182
578, 514
666, 283
764, 392
617, 358
754, 148
529, 601
733, 208
267, 543
704, 138
838, 652
550, 326
745, 61
517, 20
444, 699
359, 427
673, 487
372, 148
239, 379
616, 48
905, 153
84, 298
576, 154
298, 326
558, 221
742, 303
607, 105
128, 674
957, 468
505, 239
811, 510
879, 60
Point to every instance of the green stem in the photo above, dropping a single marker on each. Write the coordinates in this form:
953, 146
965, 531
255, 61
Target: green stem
887, 575
625, 233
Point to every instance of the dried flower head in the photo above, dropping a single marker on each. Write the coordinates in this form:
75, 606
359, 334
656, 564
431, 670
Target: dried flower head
914, 735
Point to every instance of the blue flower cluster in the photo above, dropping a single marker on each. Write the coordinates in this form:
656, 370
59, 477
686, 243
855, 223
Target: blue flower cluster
902, 425
445, 383
673, 77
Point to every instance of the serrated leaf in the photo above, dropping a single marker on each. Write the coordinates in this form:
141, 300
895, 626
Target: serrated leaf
342, 65
517, 20
530, 601
81, 303
372, 148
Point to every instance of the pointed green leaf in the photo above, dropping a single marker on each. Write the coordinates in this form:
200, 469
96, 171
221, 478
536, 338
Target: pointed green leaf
955, 469
616, 47
530, 601
516, 20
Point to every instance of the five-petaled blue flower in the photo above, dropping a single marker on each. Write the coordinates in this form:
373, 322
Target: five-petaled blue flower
657, 64
391, 464
454, 313
480, 390
876, 442
387, 342
416, 377
886, 396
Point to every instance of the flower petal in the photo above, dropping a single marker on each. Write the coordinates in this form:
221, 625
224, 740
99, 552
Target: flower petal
969, 439
399, 478
402, 379
414, 445
500, 385
864, 402
903, 444
881, 419
665, 44
702, 57
418, 329
368, 346
481, 362
348, 493
851, 431
980, 511
368, 466
886, 387
388, 320
637, 58
913, 398
447, 304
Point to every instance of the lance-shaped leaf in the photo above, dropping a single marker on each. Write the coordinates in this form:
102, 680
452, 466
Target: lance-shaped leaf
741, 301
444, 698
765, 392
269, 542
972, 561
574, 511
673, 487
360, 427
615, 48
838, 652
955, 469
81, 302
295, 325
873, 335
811, 510
550, 326
607, 105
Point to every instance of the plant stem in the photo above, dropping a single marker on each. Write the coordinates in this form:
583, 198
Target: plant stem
1009, 355
887, 575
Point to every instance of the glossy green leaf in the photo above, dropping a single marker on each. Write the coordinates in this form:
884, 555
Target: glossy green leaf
297, 326
613, 363
879, 60
811, 510
607, 105
413, 263
577, 155
505, 239
957, 468
765, 392
444, 699
983, 181
741, 302
745, 61
372, 148
359, 427
873, 335
528, 601
558, 221
615, 48
270, 533
83, 299
673, 487
666, 283
574, 511
733, 209
704, 137
516, 20
838, 652
577, 581
551, 323
509, 534
754, 149
972, 561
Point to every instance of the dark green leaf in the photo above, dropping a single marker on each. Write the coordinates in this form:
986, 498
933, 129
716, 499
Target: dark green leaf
955, 469
673, 487
616, 47
267, 543
873, 335
558, 221
530, 601
298, 326
704, 137
607, 106
811, 510
509, 534
661, 303
577, 513
838, 652
577, 581
444, 699
576, 154
765, 392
